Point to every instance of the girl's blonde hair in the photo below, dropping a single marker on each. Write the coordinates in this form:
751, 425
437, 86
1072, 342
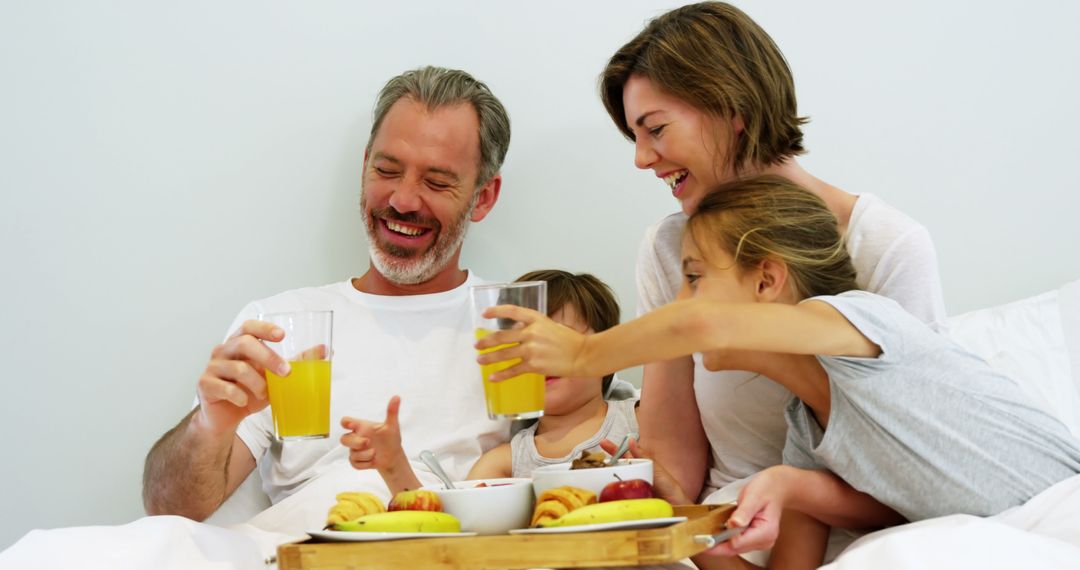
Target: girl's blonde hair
770, 217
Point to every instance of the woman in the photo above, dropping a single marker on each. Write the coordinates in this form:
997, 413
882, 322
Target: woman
707, 97
889, 421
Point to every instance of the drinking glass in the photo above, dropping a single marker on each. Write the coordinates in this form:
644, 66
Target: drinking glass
300, 402
520, 397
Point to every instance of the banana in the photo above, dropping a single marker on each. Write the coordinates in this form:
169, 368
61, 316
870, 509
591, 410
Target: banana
351, 506
403, 521
613, 511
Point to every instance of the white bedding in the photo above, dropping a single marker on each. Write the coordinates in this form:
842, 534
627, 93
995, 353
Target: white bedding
164, 542
1044, 533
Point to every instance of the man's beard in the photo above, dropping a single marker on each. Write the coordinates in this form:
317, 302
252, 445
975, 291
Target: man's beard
407, 266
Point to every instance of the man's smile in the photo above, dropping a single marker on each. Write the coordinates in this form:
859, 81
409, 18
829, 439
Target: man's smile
404, 236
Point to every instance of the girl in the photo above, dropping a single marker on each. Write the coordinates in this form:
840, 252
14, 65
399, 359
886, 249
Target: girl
706, 96
911, 424
576, 415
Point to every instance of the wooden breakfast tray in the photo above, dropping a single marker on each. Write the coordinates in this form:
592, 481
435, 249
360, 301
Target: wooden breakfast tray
510, 552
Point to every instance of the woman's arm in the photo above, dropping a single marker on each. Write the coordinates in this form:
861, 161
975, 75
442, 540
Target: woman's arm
670, 424
665, 486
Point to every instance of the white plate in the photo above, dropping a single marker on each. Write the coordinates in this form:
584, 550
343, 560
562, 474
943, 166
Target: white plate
621, 525
363, 536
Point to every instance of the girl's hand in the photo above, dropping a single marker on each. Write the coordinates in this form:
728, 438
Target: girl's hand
760, 504
537, 344
664, 485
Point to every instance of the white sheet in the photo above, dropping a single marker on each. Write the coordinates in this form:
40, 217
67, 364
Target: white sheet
164, 542
1043, 533
175, 542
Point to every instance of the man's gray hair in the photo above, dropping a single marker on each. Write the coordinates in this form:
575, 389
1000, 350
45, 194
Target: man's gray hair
437, 87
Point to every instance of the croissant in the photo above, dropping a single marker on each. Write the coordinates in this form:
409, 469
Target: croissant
556, 502
547, 511
351, 506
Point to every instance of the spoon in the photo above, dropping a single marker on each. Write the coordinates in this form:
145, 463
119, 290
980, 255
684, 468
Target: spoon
623, 447
712, 540
429, 459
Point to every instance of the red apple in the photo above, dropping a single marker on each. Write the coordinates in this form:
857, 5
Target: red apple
628, 489
415, 501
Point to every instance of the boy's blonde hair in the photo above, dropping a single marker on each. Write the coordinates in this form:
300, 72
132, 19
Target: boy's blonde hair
770, 217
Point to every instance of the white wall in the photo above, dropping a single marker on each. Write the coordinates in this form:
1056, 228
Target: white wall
162, 163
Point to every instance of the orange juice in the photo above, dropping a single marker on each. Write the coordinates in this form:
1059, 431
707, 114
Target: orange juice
300, 402
520, 397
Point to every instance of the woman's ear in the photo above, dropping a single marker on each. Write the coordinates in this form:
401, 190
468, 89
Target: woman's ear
772, 280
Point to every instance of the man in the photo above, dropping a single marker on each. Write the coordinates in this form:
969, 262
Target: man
430, 168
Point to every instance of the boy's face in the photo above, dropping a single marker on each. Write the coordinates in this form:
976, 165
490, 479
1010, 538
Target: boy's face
564, 395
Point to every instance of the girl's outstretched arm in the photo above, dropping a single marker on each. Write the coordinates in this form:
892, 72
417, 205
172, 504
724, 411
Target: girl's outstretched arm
678, 329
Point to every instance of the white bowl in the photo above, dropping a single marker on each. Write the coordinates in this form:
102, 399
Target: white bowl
551, 476
505, 504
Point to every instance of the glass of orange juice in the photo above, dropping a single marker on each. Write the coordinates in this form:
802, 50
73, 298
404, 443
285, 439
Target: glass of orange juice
300, 402
520, 397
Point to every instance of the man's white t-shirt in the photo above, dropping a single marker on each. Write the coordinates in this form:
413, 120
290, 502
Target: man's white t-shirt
419, 347
743, 412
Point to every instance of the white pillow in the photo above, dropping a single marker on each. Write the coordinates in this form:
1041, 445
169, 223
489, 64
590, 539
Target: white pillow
1035, 341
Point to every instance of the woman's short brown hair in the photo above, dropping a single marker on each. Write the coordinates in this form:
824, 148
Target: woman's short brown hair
770, 217
593, 299
714, 57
